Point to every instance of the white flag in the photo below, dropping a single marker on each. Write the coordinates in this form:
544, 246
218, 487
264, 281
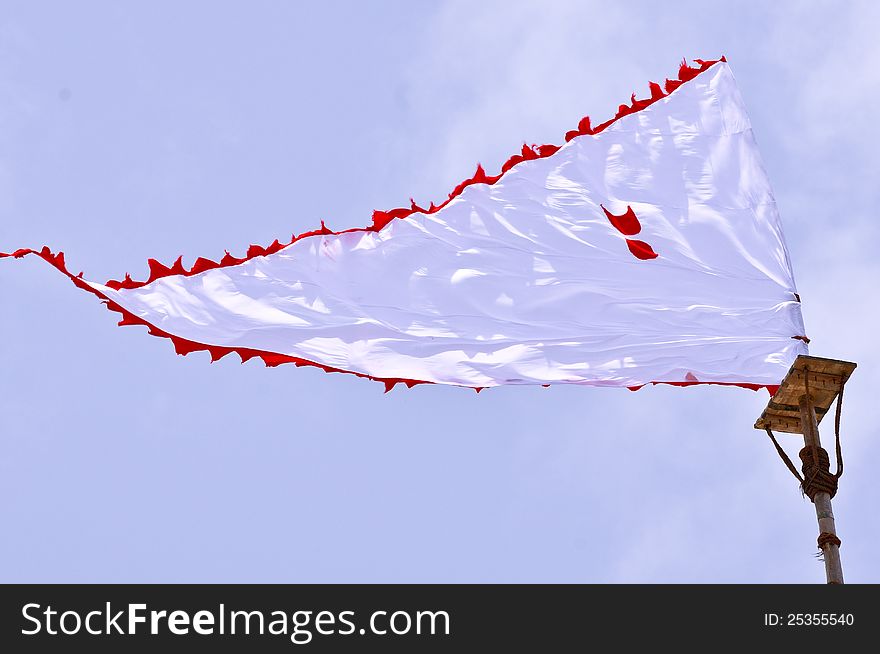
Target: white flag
647, 249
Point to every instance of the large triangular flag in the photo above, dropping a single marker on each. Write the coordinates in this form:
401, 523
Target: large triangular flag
647, 249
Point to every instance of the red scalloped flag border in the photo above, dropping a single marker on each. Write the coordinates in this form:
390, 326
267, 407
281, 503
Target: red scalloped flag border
380, 220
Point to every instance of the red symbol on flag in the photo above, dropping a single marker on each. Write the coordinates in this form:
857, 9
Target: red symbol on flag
628, 225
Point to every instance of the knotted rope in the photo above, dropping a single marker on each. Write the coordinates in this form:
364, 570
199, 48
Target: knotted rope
815, 462
816, 465
817, 476
825, 538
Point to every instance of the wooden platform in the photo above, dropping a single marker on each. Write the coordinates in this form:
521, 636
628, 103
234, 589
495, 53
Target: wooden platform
825, 377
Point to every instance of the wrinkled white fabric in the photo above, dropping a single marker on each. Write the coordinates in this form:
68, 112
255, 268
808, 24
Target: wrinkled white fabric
526, 281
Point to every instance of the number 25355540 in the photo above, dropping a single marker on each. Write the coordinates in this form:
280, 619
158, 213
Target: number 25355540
809, 619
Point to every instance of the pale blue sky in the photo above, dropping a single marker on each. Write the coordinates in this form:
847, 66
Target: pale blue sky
153, 129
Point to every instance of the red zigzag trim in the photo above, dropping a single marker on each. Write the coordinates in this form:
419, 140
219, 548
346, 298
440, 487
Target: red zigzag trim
380, 219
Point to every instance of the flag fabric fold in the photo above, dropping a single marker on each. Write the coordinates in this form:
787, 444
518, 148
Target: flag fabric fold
645, 250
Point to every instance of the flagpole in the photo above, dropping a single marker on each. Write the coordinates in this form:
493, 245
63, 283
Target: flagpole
801, 401
828, 541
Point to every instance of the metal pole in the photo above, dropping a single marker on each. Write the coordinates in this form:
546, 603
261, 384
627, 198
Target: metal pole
822, 500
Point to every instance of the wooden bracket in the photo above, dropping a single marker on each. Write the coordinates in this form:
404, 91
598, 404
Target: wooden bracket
825, 378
